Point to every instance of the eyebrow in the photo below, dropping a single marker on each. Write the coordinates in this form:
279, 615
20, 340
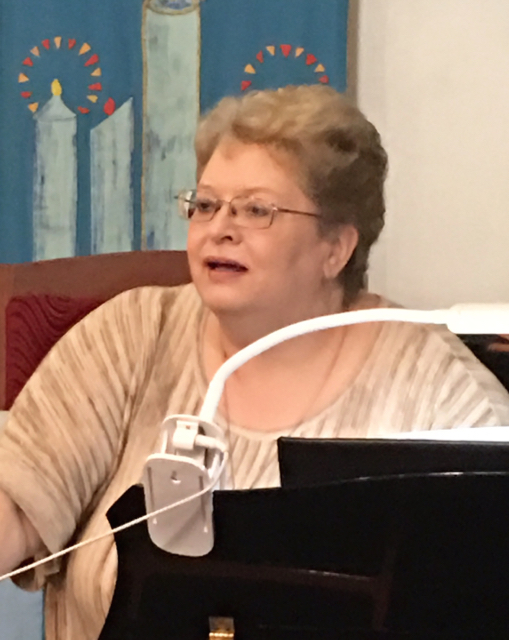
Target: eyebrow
246, 191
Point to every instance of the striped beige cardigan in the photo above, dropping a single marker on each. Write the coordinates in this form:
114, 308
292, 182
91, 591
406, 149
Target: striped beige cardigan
81, 429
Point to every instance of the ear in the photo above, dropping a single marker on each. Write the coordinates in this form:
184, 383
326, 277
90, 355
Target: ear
341, 245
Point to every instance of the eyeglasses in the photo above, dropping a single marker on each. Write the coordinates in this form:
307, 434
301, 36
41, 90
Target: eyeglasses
247, 212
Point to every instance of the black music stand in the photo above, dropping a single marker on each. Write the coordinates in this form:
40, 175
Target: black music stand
398, 557
286, 564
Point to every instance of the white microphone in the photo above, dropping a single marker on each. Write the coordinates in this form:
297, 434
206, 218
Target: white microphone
192, 450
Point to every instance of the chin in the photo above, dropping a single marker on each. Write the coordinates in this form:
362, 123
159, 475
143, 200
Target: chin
223, 301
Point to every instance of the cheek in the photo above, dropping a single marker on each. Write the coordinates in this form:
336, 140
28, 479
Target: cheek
308, 263
294, 261
194, 241
302, 250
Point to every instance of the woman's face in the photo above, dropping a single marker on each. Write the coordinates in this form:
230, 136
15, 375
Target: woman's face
280, 270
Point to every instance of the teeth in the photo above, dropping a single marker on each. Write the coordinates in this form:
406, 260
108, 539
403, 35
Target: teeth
233, 266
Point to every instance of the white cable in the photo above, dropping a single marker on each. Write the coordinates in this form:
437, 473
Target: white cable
216, 386
207, 442
122, 527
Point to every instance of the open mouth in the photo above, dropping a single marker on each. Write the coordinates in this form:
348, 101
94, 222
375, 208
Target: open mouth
225, 265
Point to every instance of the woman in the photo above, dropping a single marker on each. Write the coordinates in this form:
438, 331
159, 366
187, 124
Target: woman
288, 204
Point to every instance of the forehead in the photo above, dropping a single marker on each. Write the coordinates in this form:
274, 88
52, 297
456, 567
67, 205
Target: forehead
235, 167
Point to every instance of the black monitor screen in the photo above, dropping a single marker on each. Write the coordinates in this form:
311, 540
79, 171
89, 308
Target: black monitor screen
305, 461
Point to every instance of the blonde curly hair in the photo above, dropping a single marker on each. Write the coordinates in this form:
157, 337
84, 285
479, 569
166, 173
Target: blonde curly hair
339, 158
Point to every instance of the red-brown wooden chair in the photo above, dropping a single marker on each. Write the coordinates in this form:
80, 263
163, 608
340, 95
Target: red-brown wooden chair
40, 301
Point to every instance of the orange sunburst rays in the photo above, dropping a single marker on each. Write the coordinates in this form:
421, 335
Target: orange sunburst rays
286, 50
91, 60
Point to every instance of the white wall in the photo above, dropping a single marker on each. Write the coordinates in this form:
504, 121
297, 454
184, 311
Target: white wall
433, 75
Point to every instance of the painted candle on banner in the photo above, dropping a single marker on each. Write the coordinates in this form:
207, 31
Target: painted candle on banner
171, 42
111, 153
55, 179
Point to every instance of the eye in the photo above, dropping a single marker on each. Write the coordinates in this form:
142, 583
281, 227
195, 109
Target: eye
202, 205
257, 209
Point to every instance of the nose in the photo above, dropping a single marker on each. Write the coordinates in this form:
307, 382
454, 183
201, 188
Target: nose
223, 224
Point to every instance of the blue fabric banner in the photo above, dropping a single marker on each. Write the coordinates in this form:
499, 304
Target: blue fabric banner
262, 44
73, 42
100, 97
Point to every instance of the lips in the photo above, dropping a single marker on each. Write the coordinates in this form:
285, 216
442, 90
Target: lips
223, 264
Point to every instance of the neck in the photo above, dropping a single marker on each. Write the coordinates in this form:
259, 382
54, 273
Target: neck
231, 333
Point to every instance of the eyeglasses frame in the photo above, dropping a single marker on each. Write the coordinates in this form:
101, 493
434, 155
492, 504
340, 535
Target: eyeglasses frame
220, 204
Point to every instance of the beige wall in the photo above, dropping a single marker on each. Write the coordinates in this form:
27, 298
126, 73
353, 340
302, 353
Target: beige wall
433, 75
